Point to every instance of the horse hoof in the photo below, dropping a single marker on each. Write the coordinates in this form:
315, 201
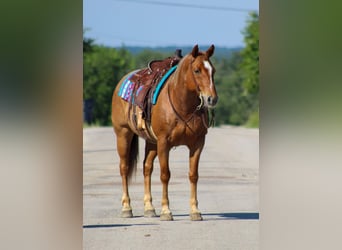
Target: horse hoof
126, 214
196, 217
166, 217
150, 213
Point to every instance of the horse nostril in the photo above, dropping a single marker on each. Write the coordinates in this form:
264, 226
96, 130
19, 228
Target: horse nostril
215, 100
212, 100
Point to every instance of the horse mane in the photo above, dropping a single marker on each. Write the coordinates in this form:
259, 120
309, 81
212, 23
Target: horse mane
180, 66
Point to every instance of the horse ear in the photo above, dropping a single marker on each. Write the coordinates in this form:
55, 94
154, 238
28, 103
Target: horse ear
194, 51
210, 51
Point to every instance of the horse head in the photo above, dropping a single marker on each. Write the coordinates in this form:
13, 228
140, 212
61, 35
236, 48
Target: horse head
203, 72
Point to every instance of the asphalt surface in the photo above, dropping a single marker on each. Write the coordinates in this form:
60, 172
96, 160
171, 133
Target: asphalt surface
228, 195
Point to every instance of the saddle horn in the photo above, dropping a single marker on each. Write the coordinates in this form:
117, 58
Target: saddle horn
178, 53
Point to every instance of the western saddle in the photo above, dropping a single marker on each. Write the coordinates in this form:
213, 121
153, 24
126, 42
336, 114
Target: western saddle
145, 83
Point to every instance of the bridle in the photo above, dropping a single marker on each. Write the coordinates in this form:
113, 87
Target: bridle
200, 108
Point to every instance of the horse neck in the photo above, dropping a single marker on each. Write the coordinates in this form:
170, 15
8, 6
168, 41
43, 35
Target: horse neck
185, 99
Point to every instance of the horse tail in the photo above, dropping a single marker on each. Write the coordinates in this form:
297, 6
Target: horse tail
133, 156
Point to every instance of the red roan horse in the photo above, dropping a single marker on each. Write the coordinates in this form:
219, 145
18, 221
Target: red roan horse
178, 118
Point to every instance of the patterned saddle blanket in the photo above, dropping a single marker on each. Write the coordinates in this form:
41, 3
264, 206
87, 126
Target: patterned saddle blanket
127, 88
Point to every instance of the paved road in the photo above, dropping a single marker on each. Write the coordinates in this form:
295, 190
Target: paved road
228, 195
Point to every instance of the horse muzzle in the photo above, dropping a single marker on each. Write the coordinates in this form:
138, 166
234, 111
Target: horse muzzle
209, 101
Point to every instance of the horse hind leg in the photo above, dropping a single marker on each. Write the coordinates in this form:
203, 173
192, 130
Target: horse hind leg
127, 146
150, 155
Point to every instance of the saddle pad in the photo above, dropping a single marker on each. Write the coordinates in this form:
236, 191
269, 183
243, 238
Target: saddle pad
126, 88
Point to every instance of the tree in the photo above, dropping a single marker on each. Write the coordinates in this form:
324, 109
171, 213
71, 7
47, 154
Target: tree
233, 106
102, 70
250, 66
250, 55
237, 81
88, 43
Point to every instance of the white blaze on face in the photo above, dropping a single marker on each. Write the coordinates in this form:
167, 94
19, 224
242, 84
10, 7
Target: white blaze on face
210, 71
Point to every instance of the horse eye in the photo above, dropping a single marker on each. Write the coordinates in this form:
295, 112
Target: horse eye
197, 71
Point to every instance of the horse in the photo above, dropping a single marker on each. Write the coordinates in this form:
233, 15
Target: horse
179, 117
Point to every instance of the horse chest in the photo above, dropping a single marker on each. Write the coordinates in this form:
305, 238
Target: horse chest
185, 133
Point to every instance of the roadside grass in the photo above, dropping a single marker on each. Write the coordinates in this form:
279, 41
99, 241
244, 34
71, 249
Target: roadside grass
253, 120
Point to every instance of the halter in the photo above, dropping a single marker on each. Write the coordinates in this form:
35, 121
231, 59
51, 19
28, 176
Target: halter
202, 102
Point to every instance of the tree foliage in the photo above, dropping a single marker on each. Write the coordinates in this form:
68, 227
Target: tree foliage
88, 43
234, 104
102, 69
250, 54
237, 81
250, 66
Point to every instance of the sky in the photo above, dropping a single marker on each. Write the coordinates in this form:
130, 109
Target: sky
167, 23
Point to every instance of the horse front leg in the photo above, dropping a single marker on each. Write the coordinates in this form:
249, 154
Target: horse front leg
163, 155
194, 157
150, 155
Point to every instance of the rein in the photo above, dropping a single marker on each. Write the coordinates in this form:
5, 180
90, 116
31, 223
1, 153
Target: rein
199, 108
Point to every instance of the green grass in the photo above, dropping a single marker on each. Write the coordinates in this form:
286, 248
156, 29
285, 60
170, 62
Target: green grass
86, 125
253, 120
